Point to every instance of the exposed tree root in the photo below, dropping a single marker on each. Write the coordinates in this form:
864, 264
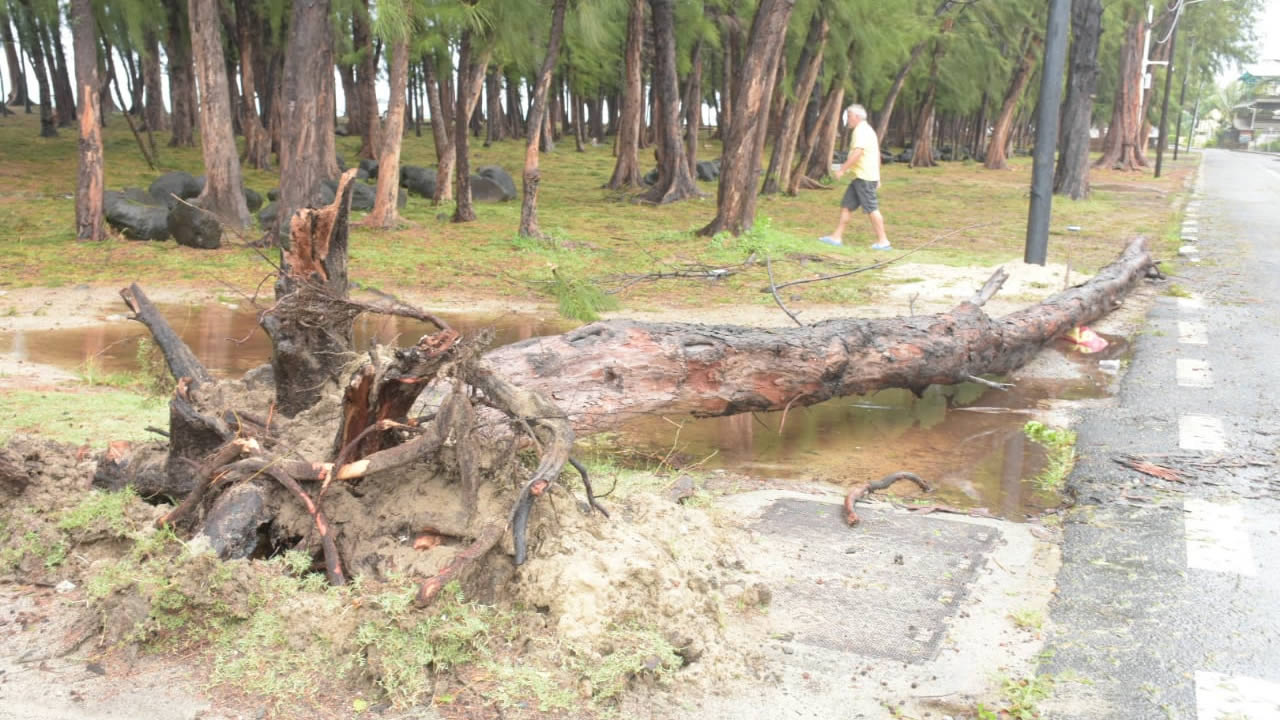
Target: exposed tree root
861, 490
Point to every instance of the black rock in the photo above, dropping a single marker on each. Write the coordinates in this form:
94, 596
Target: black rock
141, 196
136, 220
839, 156
252, 199
418, 180
885, 157
342, 163
362, 174
708, 170
650, 177
370, 166
267, 218
273, 194
324, 192
194, 228
486, 190
500, 176
179, 183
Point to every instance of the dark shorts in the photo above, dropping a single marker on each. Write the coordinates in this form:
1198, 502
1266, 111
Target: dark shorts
861, 194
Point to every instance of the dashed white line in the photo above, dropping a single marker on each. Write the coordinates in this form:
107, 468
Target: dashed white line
1191, 332
1219, 697
1194, 373
1201, 432
1192, 302
1217, 539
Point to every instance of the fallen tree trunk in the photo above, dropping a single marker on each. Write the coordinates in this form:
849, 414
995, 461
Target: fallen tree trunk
608, 372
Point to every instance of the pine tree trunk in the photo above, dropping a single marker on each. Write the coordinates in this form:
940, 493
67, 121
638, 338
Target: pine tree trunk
886, 109
515, 112
1118, 149
306, 111
89, 213
753, 88
31, 41
529, 204
222, 194
779, 177
384, 213
922, 147
495, 122
178, 52
463, 210
823, 144
693, 106
675, 181
17, 79
370, 126
441, 132
64, 96
1071, 177
153, 100
996, 156
257, 143
626, 170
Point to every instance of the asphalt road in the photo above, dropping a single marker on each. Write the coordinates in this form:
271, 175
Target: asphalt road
1168, 601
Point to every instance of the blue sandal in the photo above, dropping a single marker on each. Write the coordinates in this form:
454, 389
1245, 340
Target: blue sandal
827, 239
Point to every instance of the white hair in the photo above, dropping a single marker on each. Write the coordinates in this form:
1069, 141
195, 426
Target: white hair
856, 109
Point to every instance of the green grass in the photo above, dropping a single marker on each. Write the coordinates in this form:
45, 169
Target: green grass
1060, 450
81, 416
598, 235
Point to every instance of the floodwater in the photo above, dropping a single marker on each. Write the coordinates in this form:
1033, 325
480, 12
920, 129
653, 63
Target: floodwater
967, 440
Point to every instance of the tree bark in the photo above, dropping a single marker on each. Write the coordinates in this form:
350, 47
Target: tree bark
384, 213
1071, 177
64, 97
223, 194
27, 29
371, 131
310, 325
495, 122
89, 214
153, 99
675, 181
778, 177
693, 106
257, 143
529, 204
463, 209
17, 79
442, 133
178, 52
997, 151
609, 371
817, 163
306, 120
1118, 150
626, 169
740, 163
922, 147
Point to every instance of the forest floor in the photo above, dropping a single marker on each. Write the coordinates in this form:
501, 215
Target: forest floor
520, 661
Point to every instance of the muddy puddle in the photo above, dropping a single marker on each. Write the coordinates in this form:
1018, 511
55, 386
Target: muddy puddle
967, 439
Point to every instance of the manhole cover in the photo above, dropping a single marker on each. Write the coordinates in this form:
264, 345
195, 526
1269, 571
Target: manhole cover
884, 589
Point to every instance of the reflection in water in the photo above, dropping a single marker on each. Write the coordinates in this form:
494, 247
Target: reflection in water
966, 439
229, 342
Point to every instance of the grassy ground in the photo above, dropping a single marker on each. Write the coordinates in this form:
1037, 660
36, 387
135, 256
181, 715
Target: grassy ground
596, 235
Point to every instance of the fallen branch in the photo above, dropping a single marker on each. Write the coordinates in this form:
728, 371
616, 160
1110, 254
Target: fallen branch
773, 289
861, 490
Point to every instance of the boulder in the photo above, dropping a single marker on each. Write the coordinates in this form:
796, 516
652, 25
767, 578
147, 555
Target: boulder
363, 195
418, 180
362, 174
179, 183
342, 163
267, 218
839, 156
650, 177
141, 196
501, 177
137, 221
486, 190
252, 199
708, 171
273, 194
194, 228
370, 166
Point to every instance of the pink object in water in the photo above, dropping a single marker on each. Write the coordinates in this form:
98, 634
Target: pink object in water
1086, 340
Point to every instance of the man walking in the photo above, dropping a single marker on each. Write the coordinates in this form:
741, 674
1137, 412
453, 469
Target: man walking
864, 159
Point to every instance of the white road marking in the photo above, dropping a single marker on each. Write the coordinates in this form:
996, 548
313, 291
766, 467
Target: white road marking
1194, 373
1191, 332
1188, 250
1217, 539
1201, 432
1222, 697
1191, 302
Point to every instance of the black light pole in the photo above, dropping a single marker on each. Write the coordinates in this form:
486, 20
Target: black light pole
1055, 60
1164, 104
1182, 97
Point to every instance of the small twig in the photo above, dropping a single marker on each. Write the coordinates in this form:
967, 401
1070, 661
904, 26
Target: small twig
156, 430
990, 383
861, 490
586, 483
768, 264
990, 287
783, 422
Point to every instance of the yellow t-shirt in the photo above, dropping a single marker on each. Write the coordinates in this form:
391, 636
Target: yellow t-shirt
868, 166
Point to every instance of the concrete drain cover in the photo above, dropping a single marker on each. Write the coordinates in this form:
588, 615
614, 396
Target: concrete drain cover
884, 589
